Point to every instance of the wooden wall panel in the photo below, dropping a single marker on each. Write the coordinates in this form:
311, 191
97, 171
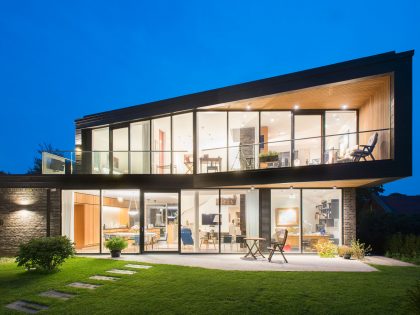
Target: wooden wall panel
376, 114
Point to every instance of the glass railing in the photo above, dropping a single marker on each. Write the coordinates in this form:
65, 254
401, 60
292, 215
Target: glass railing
350, 147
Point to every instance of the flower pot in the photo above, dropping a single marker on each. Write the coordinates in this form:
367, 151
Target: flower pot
347, 256
115, 253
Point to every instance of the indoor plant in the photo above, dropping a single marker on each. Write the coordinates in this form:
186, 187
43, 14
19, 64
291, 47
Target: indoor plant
116, 245
270, 156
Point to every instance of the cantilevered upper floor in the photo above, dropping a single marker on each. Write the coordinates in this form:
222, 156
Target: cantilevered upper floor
351, 120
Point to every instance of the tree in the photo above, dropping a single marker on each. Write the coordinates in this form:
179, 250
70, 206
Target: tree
37, 167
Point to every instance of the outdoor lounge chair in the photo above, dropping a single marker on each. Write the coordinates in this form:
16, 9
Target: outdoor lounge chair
186, 237
278, 245
366, 150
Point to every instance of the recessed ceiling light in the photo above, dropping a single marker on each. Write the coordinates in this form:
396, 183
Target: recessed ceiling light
344, 106
296, 107
248, 107
272, 120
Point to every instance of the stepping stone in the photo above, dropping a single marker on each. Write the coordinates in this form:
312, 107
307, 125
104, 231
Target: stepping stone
26, 307
57, 295
83, 285
138, 266
122, 271
104, 278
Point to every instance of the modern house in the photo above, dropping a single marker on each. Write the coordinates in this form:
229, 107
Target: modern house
199, 173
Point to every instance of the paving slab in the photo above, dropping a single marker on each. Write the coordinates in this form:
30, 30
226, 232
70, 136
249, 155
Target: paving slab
386, 261
104, 278
122, 271
83, 285
26, 307
57, 295
137, 266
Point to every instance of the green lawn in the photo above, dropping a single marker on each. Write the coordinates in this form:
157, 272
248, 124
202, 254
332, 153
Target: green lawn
166, 289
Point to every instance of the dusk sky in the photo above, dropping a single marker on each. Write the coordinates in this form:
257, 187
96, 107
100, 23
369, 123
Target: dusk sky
60, 60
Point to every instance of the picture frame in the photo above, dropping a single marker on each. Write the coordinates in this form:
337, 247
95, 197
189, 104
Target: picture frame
286, 216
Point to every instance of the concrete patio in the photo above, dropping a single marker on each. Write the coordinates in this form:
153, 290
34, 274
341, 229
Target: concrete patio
237, 262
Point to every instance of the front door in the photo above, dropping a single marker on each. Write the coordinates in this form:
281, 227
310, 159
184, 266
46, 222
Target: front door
161, 217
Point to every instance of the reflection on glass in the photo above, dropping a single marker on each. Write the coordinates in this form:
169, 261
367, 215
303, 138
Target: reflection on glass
285, 214
200, 221
239, 218
307, 151
243, 135
212, 141
140, 147
161, 145
80, 219
344, 125
121, 218
321, 217
161, 222
183, 144
275, 144
100, 148
120, 151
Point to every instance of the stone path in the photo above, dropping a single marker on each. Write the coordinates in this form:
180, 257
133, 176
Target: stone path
32, 308
122, 271
83, 285
137, 266
104, 278
26, 307
57, 295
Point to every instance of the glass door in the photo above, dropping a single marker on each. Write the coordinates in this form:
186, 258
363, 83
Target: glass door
308, 140
161, 232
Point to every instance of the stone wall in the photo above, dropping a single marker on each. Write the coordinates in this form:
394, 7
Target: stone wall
349, 215
24, 215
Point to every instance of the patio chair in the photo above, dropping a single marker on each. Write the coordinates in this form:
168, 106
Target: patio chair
278, 245
227, 239
365, 150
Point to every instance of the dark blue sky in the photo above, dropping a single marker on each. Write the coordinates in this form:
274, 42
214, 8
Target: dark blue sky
60, 60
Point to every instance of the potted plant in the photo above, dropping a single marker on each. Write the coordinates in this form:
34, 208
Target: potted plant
270, 156
116, 245
343, 250
347, 252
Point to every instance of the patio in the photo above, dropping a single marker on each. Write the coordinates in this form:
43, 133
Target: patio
237, 262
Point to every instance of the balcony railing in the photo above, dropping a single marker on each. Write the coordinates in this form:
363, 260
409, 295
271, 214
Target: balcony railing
350, 147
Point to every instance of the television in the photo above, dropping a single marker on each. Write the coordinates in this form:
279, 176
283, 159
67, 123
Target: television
208, 219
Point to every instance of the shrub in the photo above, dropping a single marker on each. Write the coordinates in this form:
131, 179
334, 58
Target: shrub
405, 247
344, 250
45, 253
116, 243
326, 249
414, 297
359, 250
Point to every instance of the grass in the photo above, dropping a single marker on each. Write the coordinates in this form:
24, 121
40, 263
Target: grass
166, 289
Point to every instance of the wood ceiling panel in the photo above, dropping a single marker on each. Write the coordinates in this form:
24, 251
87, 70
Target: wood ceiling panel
353, 93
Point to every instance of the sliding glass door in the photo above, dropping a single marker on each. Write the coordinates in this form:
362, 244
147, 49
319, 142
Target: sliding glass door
160, 221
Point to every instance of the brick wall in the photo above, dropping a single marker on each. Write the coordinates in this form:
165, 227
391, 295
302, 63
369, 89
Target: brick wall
23, 215
349, 215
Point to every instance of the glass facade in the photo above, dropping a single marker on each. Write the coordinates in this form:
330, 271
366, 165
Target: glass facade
140, 147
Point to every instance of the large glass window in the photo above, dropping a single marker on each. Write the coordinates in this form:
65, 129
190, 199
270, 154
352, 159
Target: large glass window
121, 218
212, 141
161, 221
120, 151
285, 214
161, 145
275, 139
80, 219
140, 147
321, 217
243, 139
340, 135
307, 140
183, 158
200, 221
100, 151
239, 218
